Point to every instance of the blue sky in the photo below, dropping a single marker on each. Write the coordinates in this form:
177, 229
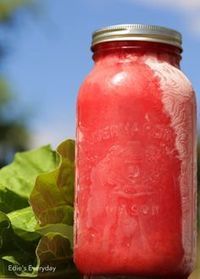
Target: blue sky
51, 54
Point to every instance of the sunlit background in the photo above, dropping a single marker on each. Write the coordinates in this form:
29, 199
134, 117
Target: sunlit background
45, 55
48, 53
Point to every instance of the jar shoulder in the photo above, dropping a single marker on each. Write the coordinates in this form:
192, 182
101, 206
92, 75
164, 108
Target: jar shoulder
116, 78
149, 74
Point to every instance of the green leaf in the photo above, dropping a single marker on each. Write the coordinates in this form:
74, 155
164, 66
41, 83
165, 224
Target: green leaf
50, 249
66, 173
52, 202
18, 239
24, 223
17, 179
40, 235
4, 229
54, 258
53, 194
23, 219
65, 230
55, 250
9, 200
4, 270
17, 245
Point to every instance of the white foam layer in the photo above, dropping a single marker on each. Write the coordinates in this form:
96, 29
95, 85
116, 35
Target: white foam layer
179, 104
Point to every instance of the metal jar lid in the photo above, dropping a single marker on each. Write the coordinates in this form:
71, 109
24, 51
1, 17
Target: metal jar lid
137, 32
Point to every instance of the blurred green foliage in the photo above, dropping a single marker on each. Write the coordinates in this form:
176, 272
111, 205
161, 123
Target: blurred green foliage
13, 130
8, 8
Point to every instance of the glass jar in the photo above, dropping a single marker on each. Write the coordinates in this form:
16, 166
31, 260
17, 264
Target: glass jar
135, 207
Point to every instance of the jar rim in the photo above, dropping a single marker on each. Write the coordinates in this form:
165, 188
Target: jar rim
137, 32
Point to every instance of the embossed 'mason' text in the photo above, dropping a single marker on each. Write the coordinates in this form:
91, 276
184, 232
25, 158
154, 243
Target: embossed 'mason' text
156, 131
144, 210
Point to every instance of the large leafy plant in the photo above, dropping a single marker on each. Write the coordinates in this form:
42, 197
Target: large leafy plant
36, 214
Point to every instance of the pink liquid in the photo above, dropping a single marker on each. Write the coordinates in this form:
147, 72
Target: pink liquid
135, 190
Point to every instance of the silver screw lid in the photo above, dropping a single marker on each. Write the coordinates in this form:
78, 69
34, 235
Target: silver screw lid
137, 32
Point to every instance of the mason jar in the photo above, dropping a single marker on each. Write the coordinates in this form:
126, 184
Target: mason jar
135, 207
